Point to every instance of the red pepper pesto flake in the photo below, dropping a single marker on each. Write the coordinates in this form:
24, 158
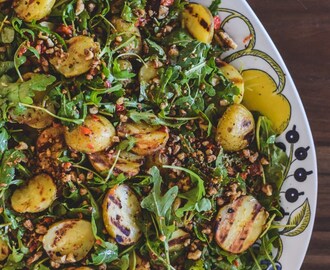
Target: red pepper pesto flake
66, 30
107, 84
217, 22
90, 146
22, 51
95, 118
166, 3
85, 130
98, 242
120, 107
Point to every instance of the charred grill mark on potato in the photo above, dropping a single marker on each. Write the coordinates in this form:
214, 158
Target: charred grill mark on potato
148, 139
62, 231
239, 224
120, 214
198, 21
115, 201
127, 163
69, 240
116, 221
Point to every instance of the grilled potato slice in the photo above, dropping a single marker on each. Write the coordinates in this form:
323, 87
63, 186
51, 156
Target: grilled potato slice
236, 128
239, 224
79, 57
127, 163
33, 10
69, 240
199, 22
4, 250
176, 242
121, 209
157, 159
233, 75
148, 72
127, 30
94, 135
37, 195
148, 139
34, 118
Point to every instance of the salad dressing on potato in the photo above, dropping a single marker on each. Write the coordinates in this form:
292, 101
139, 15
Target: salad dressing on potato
128, 143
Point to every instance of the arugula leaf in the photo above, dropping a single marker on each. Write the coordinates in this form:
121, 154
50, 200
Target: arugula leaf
159, 206
276, 171
6, 66
4, 136
9, 161
152, 119
127, 144
22, 92
155, 202
194, 195
104, 253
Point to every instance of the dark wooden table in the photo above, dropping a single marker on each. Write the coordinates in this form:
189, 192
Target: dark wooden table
301, 31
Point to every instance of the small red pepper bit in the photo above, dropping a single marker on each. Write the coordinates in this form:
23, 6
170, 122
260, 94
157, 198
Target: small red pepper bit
217, 22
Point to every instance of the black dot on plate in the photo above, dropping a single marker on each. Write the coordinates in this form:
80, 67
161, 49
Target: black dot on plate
301, 174
292, 195
281, 146
292, 136
301, 153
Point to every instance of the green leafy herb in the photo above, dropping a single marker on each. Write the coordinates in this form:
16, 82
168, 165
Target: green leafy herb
159, 205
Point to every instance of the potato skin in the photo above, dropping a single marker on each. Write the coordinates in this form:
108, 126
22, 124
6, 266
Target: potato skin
128, 30
148, 139
4, 250
198, 21
147, 72
128, 163
69, 240
33, 10
121, 209
239, 224
36, 196
79, 57
233, 75
236, 128
34, 118
94, 135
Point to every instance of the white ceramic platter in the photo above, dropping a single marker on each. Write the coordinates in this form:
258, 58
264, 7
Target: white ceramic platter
257, 53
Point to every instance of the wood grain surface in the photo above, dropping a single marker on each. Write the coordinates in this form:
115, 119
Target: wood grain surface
300, 30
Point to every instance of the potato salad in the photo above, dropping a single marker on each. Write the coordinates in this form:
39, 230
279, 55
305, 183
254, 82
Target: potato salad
124, 143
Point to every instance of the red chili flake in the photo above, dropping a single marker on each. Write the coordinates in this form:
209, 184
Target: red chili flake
244, 175
217, 22
98, 242
120, 107
236, 263
95, 117
65, 29
140, 22
90, 146
167, 3
85, 130
38, 48
67, 165
48, 220
107, 84
22, 51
